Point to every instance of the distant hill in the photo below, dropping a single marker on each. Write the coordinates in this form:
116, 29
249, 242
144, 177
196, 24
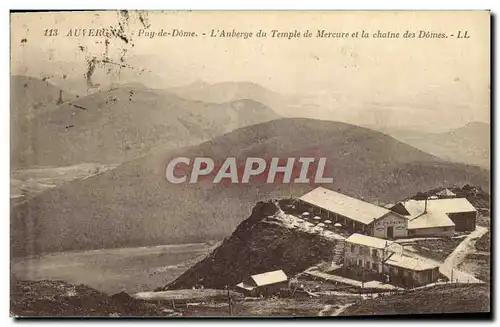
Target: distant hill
469, 144
232, 91
125, 122
134, 204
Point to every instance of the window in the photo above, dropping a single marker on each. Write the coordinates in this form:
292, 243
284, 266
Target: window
364, 251
374, 253
374, 266
353, 248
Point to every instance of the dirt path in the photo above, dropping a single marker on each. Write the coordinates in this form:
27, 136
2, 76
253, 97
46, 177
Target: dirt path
343, 280
450, 264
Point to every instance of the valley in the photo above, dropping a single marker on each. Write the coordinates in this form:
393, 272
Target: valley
111, 271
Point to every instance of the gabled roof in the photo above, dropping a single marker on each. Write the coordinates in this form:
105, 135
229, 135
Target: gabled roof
403, 261
344, 205
370, 241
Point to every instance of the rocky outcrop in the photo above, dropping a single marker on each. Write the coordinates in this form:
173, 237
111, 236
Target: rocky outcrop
269, 239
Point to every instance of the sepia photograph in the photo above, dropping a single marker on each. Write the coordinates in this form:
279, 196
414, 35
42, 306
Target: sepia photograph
180, 164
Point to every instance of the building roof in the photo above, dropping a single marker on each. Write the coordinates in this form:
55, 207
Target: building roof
410, 263
455, 205
271, 277
370, 241
437, 212
448, 206
344, 205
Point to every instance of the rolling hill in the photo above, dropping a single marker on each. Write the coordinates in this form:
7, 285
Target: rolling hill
469, 144
134, 204
122, 123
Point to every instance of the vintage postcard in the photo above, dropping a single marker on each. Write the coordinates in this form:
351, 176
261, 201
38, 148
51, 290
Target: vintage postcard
250, 163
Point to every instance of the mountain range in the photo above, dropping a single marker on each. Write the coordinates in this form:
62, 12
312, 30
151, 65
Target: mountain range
117, 124
469, 144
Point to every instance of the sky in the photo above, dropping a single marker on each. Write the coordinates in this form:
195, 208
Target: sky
395, 80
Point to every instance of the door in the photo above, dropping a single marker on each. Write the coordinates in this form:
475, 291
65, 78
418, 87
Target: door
390, 232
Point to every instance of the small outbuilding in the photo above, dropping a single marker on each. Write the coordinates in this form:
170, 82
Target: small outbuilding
437, 217
410, 272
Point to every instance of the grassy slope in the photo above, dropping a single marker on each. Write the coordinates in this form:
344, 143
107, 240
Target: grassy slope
439, 299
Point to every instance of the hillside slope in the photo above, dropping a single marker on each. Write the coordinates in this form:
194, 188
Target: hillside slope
31, 96
134, 204
469, 144
123, 123
438, 299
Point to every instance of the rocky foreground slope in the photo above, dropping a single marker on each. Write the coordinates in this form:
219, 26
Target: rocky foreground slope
440, 299
269, 239
60, 299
